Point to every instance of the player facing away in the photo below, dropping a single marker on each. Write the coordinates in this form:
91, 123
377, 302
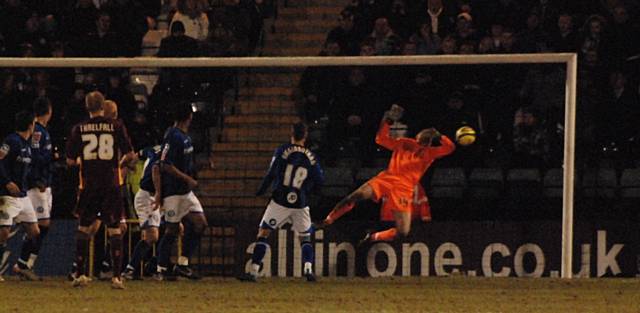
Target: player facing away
93, 146
39, 184
293, 174
410, 160
175, 194
147, 211
15, 206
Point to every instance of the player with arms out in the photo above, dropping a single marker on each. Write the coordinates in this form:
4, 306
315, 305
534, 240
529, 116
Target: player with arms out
93, 146
410, 160
175, 194
293, 174
15, 206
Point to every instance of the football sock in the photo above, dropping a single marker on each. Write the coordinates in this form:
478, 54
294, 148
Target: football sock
3, 246
28, 245
191, 243
259, 251
339, 210
385, 235
164, 249
116, 254
307, 256
139, 252
82, 251
44, 230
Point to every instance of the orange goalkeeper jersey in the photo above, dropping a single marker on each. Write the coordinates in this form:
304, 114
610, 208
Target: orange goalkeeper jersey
410, 160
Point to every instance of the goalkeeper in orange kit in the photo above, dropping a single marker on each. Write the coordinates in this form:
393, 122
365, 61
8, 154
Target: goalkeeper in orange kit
410, 160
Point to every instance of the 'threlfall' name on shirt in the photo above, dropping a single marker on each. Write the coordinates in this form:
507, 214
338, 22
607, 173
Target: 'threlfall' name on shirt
96, 127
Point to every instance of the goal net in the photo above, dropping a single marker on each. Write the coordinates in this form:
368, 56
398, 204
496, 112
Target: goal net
244, 106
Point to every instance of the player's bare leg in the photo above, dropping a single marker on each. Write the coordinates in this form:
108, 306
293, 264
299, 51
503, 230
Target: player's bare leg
403, 226
29, 246
194, 225
115, 241
259, 250
365, 192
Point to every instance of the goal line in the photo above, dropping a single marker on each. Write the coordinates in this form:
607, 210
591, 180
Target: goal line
569, 59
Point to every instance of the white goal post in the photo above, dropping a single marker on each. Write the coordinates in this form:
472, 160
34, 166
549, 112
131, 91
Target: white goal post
570, 59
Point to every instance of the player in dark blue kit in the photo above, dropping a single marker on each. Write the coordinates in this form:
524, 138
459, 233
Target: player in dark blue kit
175, 193
15, 206
146, 210
39, 185
293, 174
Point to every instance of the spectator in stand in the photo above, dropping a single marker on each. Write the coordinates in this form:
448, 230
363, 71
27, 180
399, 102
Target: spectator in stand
565, 39
257, 13
533, 38
12, 14
75, 111
455, 113
485, 46
427, 42
10, 100
592, 36
547, 13
367, 47
118, 92
78, 23
464, 27
235, 20
399, 19
384, 39
449, 46
530, 140
191, 14
35, 36
178, 44
104, 41
497, 31
619, 113
318, 85
142, 132
467, 47
507, 42
625, 36
131, 20
353, 113
344, 34
439, 17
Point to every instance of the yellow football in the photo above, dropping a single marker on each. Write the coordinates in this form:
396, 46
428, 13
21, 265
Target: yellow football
465, 135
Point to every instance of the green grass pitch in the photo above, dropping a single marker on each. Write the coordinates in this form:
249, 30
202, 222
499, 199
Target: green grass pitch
425, 294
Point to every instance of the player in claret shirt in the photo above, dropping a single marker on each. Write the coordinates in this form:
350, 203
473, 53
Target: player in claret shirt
94, 146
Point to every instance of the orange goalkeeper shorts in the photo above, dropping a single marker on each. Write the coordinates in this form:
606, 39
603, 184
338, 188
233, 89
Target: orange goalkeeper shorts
394, 189
420, 208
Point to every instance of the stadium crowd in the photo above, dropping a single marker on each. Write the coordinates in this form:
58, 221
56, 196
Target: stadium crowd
518, 110
116, 28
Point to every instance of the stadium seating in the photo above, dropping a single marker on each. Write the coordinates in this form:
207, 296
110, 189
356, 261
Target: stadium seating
485, 193
447, 183
599, 183
446, 193
523, 190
